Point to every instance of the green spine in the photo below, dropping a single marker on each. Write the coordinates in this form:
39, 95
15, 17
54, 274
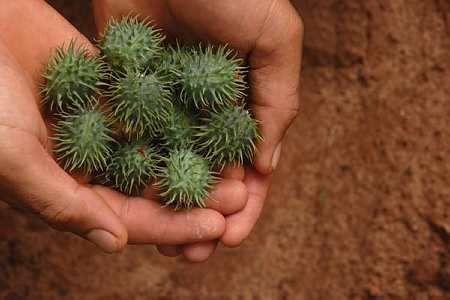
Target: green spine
140, 103
72, 76
168, 63
83, 140
186, 179
210, 77
188, 99
228, 136
130, 43
180, 130
132, 166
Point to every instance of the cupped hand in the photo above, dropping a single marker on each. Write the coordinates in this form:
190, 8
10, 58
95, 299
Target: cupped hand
268, 34
29, 176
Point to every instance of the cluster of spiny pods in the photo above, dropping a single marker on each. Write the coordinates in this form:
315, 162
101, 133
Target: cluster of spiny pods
144, 111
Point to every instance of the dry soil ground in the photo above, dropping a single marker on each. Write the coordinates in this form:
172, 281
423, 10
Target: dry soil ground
360, 205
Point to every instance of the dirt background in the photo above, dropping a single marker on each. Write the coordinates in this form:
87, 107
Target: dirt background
360, 204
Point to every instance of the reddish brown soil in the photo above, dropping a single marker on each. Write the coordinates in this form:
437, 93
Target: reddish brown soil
360, 204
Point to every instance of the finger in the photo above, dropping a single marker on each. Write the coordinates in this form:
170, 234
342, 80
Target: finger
233, 172
228, 196
226, 204
156, 11
274, 81
199, 252
240, 224
34, 179
170, 251
150, 223
105, 9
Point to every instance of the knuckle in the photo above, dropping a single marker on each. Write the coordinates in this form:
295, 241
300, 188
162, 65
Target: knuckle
292, 116
210, 227
295, 99
56, 216
63, 216
295, 108
298, 27
293, 111
241, 193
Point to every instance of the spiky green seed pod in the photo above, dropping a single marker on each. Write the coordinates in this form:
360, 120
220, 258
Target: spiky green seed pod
168, 62
83, 140
210, 77
132, 166
228, 136
186, 180
179, 132
140, 103
72, 77
130, 43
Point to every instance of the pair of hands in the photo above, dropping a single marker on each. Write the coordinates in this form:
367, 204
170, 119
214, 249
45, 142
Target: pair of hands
268, 33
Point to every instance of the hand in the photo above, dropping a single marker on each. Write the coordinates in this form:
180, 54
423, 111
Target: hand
30, 177
268, 33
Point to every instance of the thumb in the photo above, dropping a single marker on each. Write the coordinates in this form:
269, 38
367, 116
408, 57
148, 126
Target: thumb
274, 81
34, 180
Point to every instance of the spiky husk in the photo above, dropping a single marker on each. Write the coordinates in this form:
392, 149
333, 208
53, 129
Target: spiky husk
132, 166
228, 136
210, 77
83, 140
140, 103
179, 132
72, 76
168, 62
130, 43
186, 179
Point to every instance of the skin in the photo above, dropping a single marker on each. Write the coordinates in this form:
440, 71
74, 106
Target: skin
268, 34
31, 179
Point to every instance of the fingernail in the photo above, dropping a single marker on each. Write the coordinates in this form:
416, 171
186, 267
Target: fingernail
103, 239
276, 156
